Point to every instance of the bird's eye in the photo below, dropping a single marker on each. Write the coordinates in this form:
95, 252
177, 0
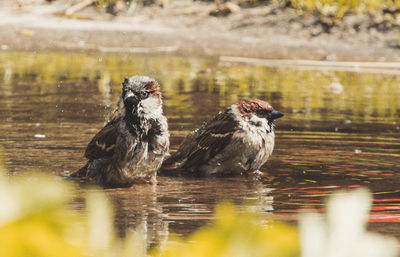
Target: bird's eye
261, 112
144, 94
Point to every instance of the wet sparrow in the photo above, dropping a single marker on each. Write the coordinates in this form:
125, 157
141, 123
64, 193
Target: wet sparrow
238, 140
132, 145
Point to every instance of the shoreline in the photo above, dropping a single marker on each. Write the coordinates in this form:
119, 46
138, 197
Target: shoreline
157, 31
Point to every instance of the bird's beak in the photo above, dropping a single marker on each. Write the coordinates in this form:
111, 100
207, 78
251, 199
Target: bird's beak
128, 95
275, 115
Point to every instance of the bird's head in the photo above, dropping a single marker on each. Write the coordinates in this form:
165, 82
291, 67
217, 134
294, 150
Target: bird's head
141, 95
257, 112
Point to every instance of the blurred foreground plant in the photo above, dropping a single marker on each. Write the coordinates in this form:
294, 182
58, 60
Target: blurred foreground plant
34, 219
37, 219
339, 8
341, 232
237, 234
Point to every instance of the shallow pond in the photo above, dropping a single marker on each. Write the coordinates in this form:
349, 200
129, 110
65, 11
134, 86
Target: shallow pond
341, 130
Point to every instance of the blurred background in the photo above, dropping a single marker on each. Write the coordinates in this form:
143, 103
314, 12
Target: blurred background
318, 29
332, 67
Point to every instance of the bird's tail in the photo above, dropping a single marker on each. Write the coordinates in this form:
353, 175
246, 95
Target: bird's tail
81, 173
171, 166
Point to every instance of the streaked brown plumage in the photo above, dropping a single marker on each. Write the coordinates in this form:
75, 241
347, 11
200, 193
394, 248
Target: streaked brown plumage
238, 140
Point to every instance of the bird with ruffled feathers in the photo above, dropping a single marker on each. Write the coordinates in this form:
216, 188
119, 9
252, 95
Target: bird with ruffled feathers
132, 145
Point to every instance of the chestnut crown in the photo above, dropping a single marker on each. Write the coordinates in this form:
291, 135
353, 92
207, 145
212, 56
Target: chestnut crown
248, 107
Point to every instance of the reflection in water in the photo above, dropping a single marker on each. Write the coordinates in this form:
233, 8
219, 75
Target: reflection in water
341, 130
139, 208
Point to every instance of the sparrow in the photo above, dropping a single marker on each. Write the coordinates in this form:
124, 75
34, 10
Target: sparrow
236, 141
131, 146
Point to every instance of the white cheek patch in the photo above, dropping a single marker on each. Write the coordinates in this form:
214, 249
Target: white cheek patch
253, 122
150, 107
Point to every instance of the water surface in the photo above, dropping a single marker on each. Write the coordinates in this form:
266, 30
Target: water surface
340, 131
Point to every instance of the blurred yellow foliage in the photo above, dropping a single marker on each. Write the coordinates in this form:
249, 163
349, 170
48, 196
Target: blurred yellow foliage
37, 219
34, 218
339, 8
237, 234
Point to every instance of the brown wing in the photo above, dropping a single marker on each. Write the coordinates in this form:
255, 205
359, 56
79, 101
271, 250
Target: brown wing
103, 143
203, 144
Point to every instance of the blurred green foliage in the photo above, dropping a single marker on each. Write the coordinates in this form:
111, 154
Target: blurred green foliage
237, 234
334, 7
339, 8
37, 219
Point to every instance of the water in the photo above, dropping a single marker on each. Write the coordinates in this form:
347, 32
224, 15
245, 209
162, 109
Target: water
340, 131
